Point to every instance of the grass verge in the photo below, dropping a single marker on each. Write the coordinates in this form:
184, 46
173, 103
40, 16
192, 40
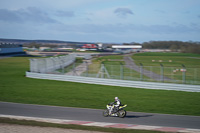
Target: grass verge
70, 126
15, 87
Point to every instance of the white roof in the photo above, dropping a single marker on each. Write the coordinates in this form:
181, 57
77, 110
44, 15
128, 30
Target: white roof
126, 46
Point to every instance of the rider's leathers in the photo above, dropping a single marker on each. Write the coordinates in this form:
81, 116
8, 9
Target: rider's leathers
117, 104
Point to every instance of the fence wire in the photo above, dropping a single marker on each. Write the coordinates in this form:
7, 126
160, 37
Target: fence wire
66, 65
142, 73
46, 65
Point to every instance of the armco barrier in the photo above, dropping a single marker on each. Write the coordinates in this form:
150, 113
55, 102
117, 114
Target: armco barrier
114, 82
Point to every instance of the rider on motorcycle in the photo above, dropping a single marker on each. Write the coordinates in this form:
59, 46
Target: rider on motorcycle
117, 103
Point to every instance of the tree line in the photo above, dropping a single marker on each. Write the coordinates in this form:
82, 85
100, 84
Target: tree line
174, 46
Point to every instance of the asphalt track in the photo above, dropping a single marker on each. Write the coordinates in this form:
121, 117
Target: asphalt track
68, 113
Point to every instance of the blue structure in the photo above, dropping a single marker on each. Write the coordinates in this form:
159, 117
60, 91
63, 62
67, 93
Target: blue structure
10, 48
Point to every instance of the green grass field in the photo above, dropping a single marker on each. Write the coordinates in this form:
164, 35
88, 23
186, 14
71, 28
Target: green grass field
177, 59
171, 63
15, 87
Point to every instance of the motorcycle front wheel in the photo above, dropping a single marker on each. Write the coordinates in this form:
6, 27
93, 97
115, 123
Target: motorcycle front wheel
106, 113
122, 113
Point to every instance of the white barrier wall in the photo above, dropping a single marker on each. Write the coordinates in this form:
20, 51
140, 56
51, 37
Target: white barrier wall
45, 65
114, 82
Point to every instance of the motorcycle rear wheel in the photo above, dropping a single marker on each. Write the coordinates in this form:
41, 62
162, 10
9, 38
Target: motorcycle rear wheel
122, 113
106, 113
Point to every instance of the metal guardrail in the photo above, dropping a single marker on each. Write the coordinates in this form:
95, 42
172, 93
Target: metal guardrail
114, 82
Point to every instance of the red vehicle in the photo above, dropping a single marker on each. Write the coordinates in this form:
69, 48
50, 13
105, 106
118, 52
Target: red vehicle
89, 46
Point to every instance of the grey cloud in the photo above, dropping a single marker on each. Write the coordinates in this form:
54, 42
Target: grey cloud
30, 14
65, 13
123, 12
186, 12
9, 16
34, 14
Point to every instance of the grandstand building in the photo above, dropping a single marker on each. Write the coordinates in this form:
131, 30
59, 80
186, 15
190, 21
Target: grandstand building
10, 48
126, 46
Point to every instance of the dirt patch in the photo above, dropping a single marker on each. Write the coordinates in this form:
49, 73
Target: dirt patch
11, 128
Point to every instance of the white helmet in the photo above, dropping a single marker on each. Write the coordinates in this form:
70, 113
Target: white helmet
116, 98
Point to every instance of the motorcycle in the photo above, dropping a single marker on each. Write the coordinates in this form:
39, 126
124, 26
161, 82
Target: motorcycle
120, 112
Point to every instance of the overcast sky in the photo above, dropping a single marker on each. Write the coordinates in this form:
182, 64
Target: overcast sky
101, 20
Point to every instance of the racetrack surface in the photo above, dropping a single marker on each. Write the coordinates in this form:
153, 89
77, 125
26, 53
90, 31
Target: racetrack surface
131, 65
95, 115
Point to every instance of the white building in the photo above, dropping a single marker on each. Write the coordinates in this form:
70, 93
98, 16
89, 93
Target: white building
127, 46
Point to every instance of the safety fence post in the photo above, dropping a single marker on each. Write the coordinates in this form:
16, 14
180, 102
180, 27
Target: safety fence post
121, 71
183, 74
141, 71
74, 69
87, 68
162, 72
